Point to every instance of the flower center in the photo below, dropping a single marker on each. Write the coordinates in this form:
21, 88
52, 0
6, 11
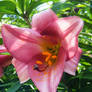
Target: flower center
50, 58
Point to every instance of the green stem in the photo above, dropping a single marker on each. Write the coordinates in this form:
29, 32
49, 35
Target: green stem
27, 20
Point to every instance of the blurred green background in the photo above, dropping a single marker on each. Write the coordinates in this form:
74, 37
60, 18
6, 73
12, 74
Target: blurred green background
20, 12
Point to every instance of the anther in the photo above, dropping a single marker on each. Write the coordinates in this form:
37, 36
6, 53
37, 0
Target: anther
54, 56
47, 58
39, 62
48, 55
49, 63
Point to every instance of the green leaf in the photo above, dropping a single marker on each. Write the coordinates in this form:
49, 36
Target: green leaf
15, 86
91, 7
87, 74
27, 5
1, 41
20, 6
85, 58
85, 89
35, 3
57, 7
85, 46
1, 16
7, 7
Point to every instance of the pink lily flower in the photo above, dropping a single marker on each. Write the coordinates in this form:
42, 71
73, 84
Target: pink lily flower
44, 52
5, 60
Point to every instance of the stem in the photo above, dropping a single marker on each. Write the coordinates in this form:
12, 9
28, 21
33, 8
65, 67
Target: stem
27, 20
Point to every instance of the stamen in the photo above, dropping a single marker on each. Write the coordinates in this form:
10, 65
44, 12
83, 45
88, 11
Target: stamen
39, 62
48, 55
47, 58
54, 56
50, 58
49, 63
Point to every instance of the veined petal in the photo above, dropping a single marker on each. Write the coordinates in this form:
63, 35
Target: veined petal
48, 80
69, 30
41, 20
70, 45
69, 25
22, 70
71, 65
22, 43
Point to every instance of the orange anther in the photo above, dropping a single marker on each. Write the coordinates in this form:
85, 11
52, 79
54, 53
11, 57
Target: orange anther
47, 58
49, 63
39, 62
54, 57
46, 53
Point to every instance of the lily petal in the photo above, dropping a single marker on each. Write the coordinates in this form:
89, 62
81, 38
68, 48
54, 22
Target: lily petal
2, 49
70, 28
70, 45
69, 25
22, 70
22, 43
41, 20
5, 60
71, 65
48, 81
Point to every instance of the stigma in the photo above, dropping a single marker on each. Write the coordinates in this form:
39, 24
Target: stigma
36, 67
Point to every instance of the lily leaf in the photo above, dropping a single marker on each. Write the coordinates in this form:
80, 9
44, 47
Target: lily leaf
15, 86
7, 7
57, 7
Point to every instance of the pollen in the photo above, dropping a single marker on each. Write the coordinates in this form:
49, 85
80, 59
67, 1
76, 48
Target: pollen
39, 62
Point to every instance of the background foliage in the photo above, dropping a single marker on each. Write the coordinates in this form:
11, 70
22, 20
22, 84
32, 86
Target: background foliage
20, 12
